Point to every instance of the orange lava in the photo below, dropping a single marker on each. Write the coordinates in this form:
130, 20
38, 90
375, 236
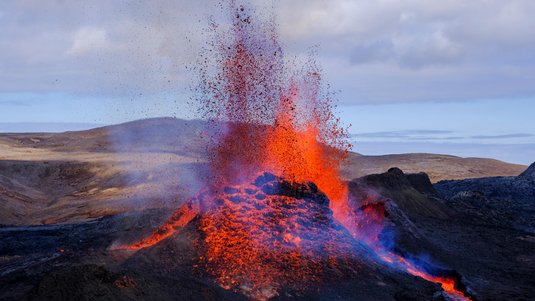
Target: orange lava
176, 222
269, 119
258, 243
294, 149
448, 284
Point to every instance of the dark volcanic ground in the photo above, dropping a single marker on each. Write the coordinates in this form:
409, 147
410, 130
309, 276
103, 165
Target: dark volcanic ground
486, 237
479, 240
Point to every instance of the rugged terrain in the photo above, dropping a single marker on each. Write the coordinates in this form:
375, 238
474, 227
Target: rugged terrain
482, 241
70, 202
79, 176
490, 255
511, 200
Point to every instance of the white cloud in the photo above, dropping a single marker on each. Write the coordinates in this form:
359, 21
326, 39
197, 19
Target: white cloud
87, 39
439, 31
420, 50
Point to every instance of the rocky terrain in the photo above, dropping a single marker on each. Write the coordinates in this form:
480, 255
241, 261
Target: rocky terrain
79, 176
437, 167
508, 201
70, 201
491, 256
482, 242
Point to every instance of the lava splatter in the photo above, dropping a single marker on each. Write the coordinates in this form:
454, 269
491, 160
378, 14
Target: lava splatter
270, 114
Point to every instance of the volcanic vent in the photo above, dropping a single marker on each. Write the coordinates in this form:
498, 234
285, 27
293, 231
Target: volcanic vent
266, 235
276, 237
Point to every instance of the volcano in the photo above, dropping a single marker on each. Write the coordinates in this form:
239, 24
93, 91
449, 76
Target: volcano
84, 260
275, 213
268, 235
274, 235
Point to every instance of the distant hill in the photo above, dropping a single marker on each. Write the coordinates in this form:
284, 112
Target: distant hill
185, 137
438, 167
74, 176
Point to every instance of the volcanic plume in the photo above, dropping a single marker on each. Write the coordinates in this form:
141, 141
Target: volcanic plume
275, 212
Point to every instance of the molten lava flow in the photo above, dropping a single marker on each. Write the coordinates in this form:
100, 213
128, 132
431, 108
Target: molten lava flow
367, 225
178, 220
449, 285
260, 237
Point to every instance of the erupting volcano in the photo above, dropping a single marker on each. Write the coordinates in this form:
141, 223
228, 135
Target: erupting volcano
275, 212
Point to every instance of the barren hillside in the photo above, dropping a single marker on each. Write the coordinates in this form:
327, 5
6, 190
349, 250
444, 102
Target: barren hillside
76, 176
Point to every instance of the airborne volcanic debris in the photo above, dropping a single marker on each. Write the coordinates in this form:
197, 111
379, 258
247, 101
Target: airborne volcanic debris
275, 128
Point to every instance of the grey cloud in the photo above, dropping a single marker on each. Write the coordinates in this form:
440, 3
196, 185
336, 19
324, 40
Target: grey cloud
433, 135
400, 134
373, 51
435, 31
503, 136
101, 47
426, 50
17, 103
417, 51
413, 51
449, 138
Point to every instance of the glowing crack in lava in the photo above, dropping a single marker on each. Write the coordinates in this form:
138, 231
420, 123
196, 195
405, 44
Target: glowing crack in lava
264, 221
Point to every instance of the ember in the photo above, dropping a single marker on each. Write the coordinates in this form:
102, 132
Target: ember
265, 223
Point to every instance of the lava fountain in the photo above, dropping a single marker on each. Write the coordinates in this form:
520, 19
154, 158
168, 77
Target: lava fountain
275, 211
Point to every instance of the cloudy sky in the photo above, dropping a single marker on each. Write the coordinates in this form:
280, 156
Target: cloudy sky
411, 76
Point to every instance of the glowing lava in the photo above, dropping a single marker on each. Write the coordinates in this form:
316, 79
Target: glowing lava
268, 117
449, 285
271, 234
176, 222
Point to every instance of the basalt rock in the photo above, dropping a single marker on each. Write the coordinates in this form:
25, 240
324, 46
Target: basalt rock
529, 173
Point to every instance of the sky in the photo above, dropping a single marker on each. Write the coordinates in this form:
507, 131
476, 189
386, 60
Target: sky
451, 77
